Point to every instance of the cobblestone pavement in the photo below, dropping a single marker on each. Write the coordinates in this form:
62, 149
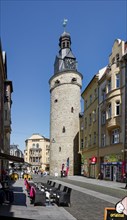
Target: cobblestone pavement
84, 206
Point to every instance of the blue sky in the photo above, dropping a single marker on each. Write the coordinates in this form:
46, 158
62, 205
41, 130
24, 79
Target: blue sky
30, 31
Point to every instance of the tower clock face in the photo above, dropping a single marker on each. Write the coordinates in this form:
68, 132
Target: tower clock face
70, 63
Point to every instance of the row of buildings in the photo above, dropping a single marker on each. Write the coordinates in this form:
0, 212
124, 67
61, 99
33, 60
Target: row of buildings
103, 124
6, 89
87, 143
36, 153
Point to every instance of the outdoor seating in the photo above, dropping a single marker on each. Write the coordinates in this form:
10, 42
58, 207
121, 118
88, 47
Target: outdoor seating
43, 185
63, 198
40, 198
49, 187
54, 191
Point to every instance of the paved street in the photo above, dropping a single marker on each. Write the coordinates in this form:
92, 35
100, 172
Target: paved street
89, 198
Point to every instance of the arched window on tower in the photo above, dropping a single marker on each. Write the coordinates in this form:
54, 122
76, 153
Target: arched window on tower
72, 109
68, 44
63, 44
63, 129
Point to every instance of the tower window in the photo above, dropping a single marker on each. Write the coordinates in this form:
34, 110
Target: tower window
59, 149
56, 100
74, 79
63, 44
57, 82
63, 129
68, 44
72, 109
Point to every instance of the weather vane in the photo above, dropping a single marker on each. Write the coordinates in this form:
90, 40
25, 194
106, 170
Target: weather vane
65, 23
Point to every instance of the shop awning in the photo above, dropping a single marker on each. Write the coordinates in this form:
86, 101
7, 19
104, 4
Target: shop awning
9, 157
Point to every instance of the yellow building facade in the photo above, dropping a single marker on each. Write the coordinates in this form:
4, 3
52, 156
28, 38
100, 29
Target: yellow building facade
112, 116
37, 152
104, 134
90, 131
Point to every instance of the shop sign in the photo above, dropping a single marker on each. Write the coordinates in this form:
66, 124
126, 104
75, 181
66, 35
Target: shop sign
93, 160
112, 158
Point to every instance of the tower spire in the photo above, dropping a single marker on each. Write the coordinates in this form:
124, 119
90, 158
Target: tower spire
65, 23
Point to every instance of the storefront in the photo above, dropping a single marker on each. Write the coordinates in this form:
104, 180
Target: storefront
90, 167
112, 168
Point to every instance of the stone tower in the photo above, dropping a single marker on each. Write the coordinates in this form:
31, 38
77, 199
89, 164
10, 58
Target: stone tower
65, 89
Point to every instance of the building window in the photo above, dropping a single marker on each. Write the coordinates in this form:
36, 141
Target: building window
117, 80
63, 129
109, 111
85, 141
86, 104
90, 99
103, 94
90, 139
81, 128
109, 85
5, 115
103, 118
117, 60
59, 149
94, 115
95, 93
56, 100
94, 140
103, 140
85, 122
117, 107
113, 60
115, 136
37, 145
90, 119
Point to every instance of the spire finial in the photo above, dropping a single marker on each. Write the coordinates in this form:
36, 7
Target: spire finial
65, 23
